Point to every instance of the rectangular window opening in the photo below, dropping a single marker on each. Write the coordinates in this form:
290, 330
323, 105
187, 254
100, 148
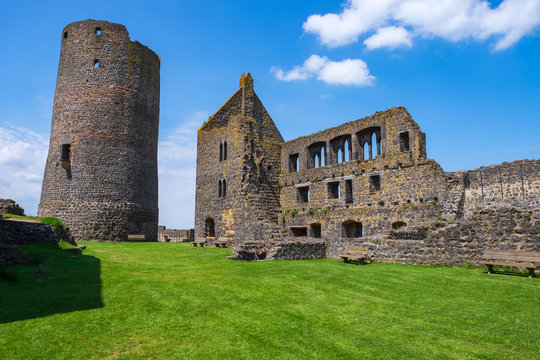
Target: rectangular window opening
293, 163
316, 230
374, 183
303, 194
96, 63
334, 190
404, 141
299, 231
65, 34
98, 31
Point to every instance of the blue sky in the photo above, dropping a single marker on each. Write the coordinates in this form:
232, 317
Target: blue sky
467, 71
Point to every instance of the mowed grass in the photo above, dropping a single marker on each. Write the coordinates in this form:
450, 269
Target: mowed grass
173, 301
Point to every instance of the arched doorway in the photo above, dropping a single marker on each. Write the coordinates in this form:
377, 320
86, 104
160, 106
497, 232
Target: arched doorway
209, 229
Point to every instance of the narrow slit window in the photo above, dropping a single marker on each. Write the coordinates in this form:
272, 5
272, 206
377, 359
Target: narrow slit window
224, 150
96, 63
98, 31
224, 188
348, 192
65, 34
66, 152
220, 152
219, 189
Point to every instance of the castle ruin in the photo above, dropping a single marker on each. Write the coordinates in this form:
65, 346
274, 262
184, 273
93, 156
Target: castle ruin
101, 171
367, 182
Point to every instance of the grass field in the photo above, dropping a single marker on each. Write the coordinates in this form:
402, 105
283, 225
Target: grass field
173, 301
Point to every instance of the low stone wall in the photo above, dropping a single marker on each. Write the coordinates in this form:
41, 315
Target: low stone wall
174, 235
497, 226
291, 249
25, 232
10, 255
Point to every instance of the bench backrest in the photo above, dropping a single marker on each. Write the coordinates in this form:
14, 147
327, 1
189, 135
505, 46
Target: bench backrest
517, 256
356, 250
136, 237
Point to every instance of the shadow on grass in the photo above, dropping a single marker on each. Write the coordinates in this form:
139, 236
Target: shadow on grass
56, 282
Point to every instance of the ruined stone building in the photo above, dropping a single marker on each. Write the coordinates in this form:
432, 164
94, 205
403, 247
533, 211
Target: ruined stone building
366, 182
101, 171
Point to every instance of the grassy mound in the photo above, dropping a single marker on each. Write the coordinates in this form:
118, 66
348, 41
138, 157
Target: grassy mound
173, 301
45, 220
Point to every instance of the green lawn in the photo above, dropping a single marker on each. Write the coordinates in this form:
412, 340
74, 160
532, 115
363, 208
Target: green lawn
173, 301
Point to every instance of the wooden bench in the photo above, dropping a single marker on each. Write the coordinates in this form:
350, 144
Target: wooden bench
220, 243
521, 259
356, 253
136, 237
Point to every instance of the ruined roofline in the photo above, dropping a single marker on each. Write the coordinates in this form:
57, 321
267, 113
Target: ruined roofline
494, 166
101, 22
246, 81
365, 118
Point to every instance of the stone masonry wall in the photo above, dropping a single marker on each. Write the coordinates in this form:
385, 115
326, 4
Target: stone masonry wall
250, 206
8, 206
101, 171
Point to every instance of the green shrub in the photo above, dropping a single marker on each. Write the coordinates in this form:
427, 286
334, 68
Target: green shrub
294, 212
313, 210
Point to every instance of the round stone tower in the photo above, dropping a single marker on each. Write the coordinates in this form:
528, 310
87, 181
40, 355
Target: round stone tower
101, 172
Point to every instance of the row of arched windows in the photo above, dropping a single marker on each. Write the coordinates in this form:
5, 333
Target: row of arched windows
222, 188
223, 151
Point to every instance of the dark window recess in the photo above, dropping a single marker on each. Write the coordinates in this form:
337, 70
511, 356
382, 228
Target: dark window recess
293, 163
269, 167
348, 192
66, 152
224, 150
209, 230
96, 63
315, 230
219, 189
404, 141
396, 225
333, 190
224, 188
303, 194
352, 229
98, 31
65, 34
220, 152
299, 231
374, 183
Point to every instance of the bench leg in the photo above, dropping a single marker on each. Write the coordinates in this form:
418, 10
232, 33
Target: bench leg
490, 268
531, 272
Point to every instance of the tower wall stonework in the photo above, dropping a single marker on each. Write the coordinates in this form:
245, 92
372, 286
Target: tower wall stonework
101, 171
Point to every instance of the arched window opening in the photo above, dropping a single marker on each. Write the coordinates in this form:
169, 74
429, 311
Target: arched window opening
323, 156
352, 229
209, 230
224, 188
220, 152
396, 225
375, 145
224, 150
346, 152
339, 156
316, 160
219, 189
366, 151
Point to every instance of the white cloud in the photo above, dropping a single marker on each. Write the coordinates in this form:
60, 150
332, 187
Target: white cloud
346, 72
22, 161
390, 37
453, 20
177, 169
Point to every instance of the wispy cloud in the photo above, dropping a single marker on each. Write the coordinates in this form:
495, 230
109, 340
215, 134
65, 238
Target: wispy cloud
346, 72
453, 20
22, 161
177, 170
